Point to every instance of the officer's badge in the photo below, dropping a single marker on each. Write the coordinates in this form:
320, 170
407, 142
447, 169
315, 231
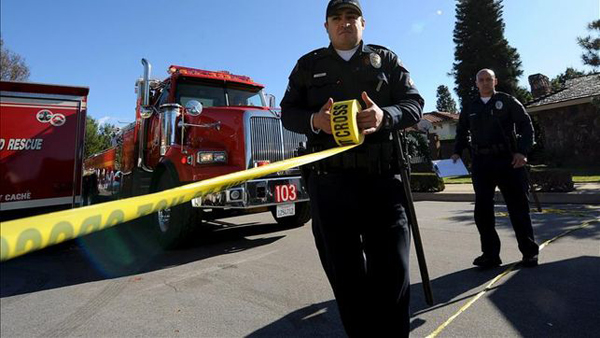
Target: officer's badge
375, 60
499, 105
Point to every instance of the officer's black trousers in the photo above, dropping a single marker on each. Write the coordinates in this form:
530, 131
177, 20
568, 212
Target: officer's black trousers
363, 239
489, 172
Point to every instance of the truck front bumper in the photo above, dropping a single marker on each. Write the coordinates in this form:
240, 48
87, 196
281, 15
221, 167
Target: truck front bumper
256, 193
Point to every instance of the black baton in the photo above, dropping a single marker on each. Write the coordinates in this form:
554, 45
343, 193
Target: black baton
532, 189
412, 217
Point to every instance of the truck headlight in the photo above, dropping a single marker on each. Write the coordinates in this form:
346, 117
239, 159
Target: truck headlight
205, 157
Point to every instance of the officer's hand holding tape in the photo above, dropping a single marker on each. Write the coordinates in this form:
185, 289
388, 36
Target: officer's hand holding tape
321, 120
369, 119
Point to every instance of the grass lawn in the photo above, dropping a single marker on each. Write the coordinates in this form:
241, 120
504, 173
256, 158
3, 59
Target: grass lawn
586, 179
457, 180
585, 175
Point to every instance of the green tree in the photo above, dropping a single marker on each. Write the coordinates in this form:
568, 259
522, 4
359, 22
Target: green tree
97, 138
12, 65
570, 73
523, 95
480, 43
445, 102
418, 146
591, 45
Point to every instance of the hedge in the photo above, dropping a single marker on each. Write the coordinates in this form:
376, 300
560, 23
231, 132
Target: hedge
551, 179
426, 182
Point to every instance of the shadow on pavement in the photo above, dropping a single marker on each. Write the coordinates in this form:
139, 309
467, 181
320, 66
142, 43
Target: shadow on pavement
322, 319
552, 221
552, 300
123, 250
560, 299
315, 320
447, 288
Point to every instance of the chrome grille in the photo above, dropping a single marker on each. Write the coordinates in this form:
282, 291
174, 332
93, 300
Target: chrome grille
291, 142
269, 141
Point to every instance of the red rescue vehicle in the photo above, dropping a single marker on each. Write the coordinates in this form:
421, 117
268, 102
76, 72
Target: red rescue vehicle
195, 125
41, 147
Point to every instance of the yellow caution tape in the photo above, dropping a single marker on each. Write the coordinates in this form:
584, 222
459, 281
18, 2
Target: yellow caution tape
29, 234
25, 235
343, 123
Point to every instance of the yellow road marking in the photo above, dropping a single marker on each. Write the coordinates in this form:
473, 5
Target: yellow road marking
499, 277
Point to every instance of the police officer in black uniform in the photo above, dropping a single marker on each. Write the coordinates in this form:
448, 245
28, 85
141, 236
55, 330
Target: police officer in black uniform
359, 222
493, 122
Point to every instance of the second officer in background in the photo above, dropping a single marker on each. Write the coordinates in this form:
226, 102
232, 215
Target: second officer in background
489, 128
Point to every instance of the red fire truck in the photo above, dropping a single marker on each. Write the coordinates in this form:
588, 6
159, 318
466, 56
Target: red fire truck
195, 125
41, 147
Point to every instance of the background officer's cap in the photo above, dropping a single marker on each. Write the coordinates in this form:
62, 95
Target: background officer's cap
335, 5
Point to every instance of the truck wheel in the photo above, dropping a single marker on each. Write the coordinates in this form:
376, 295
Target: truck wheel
301, 217
174, 225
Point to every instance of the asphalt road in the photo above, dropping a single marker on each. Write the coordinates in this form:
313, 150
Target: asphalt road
252, 278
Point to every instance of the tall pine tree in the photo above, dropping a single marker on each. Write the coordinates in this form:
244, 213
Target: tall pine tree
445, 102
591, 46
480, 43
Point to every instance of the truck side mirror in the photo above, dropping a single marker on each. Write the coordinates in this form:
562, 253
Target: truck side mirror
193, 108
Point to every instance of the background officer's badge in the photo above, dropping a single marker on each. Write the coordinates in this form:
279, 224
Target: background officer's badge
499, 105
375, 60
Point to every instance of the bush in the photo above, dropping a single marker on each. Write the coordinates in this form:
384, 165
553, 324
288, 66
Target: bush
424, 167
551, 179
426, 182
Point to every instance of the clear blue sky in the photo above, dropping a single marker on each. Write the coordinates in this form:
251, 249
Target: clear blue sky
99, 43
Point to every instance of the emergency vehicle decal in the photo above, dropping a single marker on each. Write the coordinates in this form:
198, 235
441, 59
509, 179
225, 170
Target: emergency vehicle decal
44, 116
21, 144
18, 202
58, 120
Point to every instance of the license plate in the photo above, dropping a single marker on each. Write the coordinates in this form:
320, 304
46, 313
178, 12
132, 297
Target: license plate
286, 193
285, 210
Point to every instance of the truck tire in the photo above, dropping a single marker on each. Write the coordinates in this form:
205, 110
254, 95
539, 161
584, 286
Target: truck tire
301, 217
173, 226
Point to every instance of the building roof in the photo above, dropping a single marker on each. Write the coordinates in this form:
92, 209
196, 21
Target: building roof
584, 87
435, 117
440, 117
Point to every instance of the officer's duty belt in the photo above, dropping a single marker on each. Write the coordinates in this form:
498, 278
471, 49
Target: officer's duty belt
496, 149
370, 159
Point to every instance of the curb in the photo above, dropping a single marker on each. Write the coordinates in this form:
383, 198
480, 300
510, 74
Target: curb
545, 198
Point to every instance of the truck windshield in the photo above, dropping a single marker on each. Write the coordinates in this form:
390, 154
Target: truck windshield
247, 96
213, 95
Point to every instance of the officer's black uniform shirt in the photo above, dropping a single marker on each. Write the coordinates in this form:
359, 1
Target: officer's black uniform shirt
322, 74
493, 123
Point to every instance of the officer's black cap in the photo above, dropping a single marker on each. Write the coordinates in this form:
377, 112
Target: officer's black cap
335, 5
